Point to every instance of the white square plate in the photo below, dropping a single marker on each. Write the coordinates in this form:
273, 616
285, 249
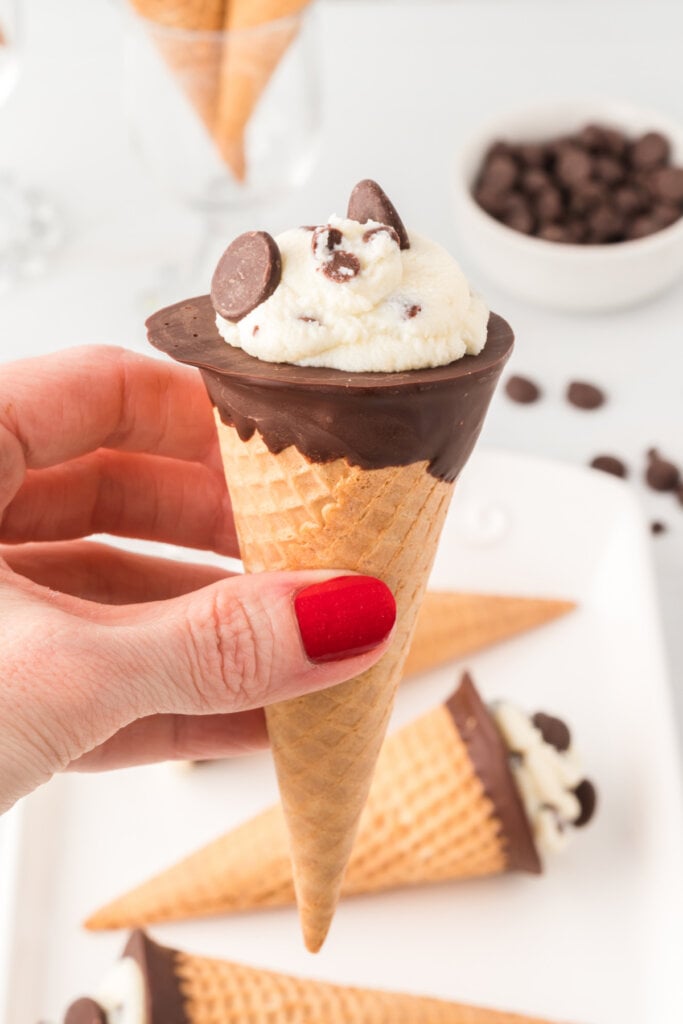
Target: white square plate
596, 940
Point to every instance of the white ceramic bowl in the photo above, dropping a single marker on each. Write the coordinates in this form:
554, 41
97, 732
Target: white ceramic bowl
562, 276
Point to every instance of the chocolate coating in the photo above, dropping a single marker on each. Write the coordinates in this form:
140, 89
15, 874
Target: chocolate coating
489, 755
370, 202
248, 273
85, 1011
374, 420
163, 998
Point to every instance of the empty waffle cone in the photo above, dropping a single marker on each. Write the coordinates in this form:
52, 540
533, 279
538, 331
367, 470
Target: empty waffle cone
452, 625
292, 513
186, 34
180, 988
434, 813
258, 33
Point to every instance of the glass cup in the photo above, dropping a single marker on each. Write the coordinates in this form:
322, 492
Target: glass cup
30, 228
225, 122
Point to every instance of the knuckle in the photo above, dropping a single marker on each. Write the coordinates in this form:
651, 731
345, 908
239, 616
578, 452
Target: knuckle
232, 648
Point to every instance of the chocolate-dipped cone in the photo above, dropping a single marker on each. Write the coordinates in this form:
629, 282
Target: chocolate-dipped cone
452, 625
185, 989
442, 806
334, 470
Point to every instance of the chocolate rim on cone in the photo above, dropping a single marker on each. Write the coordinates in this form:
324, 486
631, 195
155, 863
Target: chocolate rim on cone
181, 988
433, 415
329, 470
443, 806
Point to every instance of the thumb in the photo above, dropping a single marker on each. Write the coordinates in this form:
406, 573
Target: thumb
252, 640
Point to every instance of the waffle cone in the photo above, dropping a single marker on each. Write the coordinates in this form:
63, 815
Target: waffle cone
258, 33
181, 33
452, 625
427, 819
291, 513
216, 990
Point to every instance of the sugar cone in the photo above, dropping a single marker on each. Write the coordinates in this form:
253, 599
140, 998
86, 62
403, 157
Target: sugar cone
199, 990
258, 33
428, 819
291, 513
452, 625
182, 33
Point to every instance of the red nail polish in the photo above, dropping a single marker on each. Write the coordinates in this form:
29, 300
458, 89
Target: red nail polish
344, 616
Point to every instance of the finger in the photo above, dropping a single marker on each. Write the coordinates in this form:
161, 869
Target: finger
245, 642
61, 406
97, 572
125, 494
178, 738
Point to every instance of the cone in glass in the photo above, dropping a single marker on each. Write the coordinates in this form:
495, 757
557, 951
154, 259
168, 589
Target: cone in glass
332, 470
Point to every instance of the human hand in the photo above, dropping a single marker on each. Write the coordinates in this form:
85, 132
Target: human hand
109, 658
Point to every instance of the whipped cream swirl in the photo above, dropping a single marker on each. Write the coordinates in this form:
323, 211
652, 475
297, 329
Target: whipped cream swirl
351, 299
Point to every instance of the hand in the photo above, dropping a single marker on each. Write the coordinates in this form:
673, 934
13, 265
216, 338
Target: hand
109, 658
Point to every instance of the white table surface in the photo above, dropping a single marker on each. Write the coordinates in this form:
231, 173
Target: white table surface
403, 83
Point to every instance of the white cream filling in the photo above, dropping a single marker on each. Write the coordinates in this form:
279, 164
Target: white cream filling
545, 777
406, 309
122, 994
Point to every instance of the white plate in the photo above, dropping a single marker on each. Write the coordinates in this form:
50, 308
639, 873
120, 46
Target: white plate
598, 939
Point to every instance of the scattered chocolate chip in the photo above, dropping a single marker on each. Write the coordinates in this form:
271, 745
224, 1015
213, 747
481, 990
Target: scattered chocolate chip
385, 229
661, 475
369, 202
255, 329
309, 319
553, 730
668, 184
584, 395
587, 796
412, 311
85, 1011
325, 240
342, 266
610, 464
248, 272
649, 151
522, 390
657, 527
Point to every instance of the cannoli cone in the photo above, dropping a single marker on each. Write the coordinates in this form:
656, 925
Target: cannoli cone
198, 990
258, 32
182, 33
292, 513
452, 625
432, 815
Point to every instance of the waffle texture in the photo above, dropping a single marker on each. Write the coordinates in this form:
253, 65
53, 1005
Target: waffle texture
291, 513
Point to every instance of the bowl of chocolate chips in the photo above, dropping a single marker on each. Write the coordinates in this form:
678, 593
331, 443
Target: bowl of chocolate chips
575, 206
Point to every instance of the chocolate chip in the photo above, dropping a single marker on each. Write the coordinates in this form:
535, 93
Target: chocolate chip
385, 229
500, 173
554, 233
614, 141
604, 224
490, 200
412, 311
665, 214
325, 240
584, 395
369, 202
610, 464
587, 796
657, 527
573, 165
661, 475
592, 137
553, 730
548, 204
668, 184
533, 154
522, 390
586, 196
309, 319
534, 181
341, 267
248, 272
629, 200
641, 228
255, 329
517, 214
85, 1011
649, 151
608, 169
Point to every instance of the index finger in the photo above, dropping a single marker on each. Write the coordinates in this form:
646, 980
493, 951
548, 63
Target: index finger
64, 405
